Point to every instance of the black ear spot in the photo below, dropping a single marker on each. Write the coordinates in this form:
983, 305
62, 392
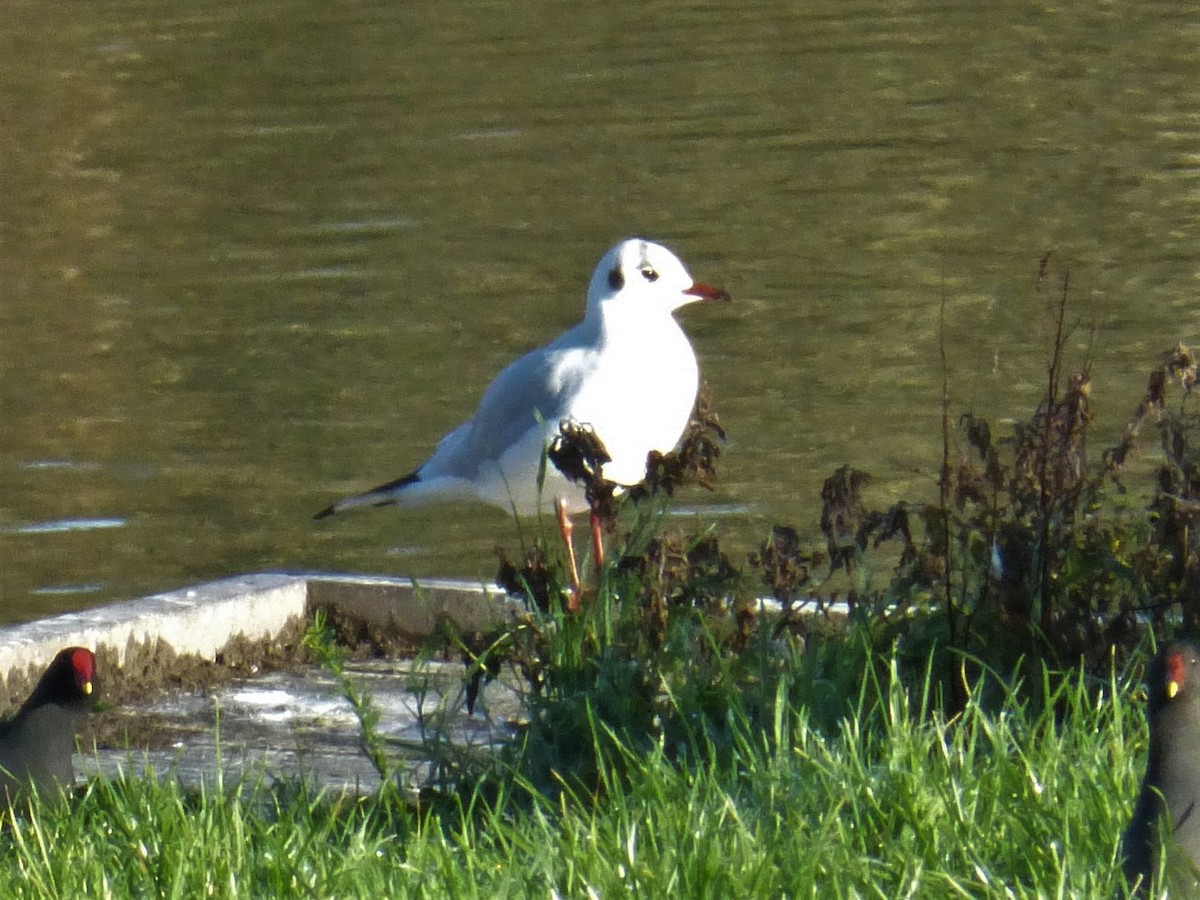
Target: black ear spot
616, 280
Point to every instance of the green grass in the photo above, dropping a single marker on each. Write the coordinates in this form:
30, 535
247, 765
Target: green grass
893, 802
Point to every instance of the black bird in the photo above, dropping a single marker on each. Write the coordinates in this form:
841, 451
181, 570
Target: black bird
36, 744
1168, 807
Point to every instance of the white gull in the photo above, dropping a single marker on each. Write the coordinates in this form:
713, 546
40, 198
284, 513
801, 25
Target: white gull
627, 371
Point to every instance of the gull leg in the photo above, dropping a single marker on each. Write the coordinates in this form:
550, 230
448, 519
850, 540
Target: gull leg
565, 526
597, 542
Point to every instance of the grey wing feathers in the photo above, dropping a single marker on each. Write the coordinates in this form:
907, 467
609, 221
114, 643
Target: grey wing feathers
530, 387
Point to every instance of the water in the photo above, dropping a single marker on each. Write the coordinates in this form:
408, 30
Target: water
285, 723
256, 255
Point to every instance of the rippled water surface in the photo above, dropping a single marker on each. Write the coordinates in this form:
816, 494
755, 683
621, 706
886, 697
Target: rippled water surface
254, 255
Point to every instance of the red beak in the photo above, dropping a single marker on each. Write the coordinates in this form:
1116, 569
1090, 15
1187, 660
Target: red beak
708, 292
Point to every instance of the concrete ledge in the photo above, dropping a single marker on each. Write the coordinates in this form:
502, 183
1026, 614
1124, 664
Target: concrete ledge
408, 608
203, 619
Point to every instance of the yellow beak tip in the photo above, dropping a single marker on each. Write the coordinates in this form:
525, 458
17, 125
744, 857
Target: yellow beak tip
1172, 689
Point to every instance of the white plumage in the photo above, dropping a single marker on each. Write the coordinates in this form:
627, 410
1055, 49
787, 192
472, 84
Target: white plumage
627, 371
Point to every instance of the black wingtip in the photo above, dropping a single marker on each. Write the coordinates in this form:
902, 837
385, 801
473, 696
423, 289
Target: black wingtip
403, 481
379, 496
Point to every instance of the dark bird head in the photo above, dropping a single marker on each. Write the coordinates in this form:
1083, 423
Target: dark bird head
1173, 677
69, 680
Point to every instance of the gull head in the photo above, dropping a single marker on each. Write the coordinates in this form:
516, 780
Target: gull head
639, 274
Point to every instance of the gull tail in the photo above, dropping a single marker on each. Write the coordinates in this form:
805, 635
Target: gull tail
384, 495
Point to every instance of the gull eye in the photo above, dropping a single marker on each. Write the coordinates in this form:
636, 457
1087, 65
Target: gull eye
648, 273
616, 280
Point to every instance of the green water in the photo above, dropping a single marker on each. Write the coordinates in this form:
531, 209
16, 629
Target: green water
256, 255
